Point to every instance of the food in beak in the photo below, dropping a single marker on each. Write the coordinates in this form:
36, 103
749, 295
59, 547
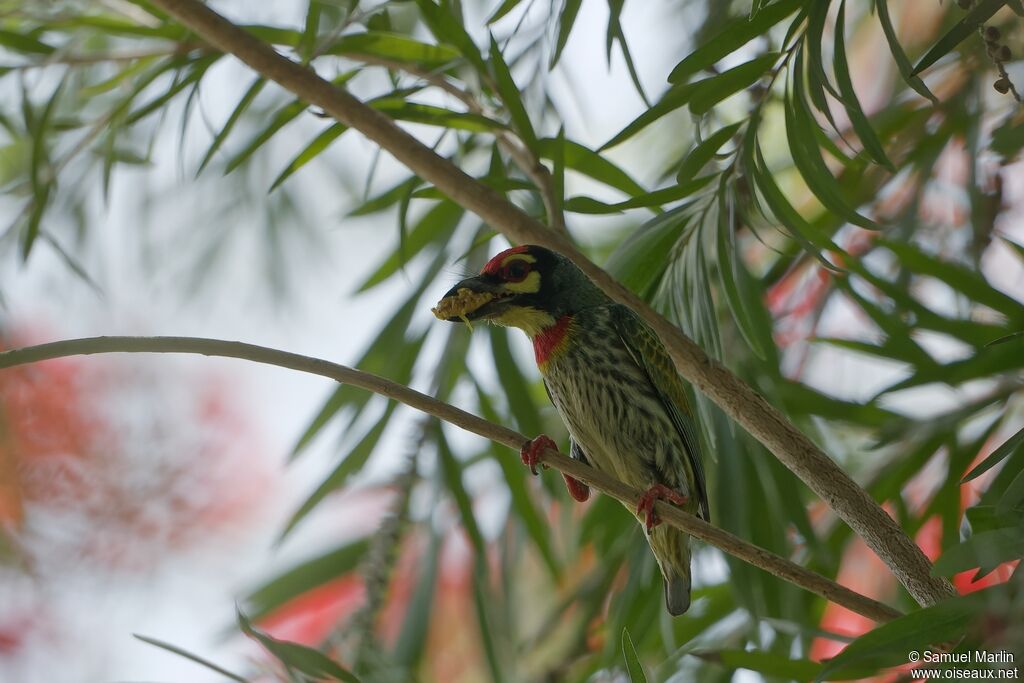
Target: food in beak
463, 302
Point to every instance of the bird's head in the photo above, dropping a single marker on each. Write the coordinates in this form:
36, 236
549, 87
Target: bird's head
528, 287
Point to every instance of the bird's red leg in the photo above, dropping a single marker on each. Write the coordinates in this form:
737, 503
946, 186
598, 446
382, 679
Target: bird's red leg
530, 453
646, 504
531, 450
577, 489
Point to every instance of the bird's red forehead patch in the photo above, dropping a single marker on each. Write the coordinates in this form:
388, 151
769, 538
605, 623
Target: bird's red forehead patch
494, 265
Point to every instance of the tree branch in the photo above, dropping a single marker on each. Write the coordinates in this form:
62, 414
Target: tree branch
727, 542
748, 408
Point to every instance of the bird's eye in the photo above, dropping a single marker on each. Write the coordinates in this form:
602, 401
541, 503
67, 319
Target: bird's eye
516, 271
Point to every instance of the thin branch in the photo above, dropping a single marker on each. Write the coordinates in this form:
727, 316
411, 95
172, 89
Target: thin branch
727, 542
741, 402
94, 58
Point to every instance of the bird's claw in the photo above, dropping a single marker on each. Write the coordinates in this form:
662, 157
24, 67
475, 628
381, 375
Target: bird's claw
532, 449
646, 504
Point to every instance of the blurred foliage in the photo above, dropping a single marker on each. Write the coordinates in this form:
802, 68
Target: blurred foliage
808, 162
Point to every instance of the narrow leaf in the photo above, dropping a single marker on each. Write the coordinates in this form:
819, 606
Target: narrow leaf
188, 655
977, 16
996, 456
236, 114
298, 657
310, 152
566, 19
710, 91
859, 121
510, 95
634, 669
733, 36
700, 155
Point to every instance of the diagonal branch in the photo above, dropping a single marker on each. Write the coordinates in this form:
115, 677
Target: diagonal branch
727, 542
748, 408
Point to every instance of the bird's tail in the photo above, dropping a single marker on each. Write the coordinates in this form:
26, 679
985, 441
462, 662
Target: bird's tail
677, 592
672, 549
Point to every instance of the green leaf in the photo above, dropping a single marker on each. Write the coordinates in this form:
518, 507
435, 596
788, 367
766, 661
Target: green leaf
809, 236
1008, 139
734, 35
436, 226
515, 475
486, 618
451, 470
298, 658
640, 259
419, 609
281, 118
774, 665
558, 172
889, 643
351, 463
744, 302
802, 399
504, 9
859, 121
229, 125
807, 155
114, 25
404, 110
19, 42
634, 669
675, 97
995, 457
388, 198
566, 19
700, 155
514, 386
986, 549
394, 47
882, 9
378, 358
590, 163
615, 34
985, 518
710, 91
188, 655
195, 73
448, 27
977, 16
510, 95
648, 200
43, 184
310, 152
1012, 496
305, 577
970, 283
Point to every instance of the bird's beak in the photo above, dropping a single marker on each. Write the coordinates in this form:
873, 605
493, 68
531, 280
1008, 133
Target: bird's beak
474, 298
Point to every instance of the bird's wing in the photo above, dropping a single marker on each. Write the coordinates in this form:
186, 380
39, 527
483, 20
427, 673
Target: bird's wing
576, 452
650, 355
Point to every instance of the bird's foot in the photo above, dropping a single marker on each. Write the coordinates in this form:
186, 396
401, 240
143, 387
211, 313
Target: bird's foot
577, 489
646, 504
532, 449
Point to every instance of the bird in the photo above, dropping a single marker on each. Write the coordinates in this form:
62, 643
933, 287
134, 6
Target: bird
611, 381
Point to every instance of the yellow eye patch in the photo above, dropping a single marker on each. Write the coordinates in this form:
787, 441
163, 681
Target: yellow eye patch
529, 284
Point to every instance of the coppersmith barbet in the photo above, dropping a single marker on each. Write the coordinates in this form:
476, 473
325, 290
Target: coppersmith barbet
611, 381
